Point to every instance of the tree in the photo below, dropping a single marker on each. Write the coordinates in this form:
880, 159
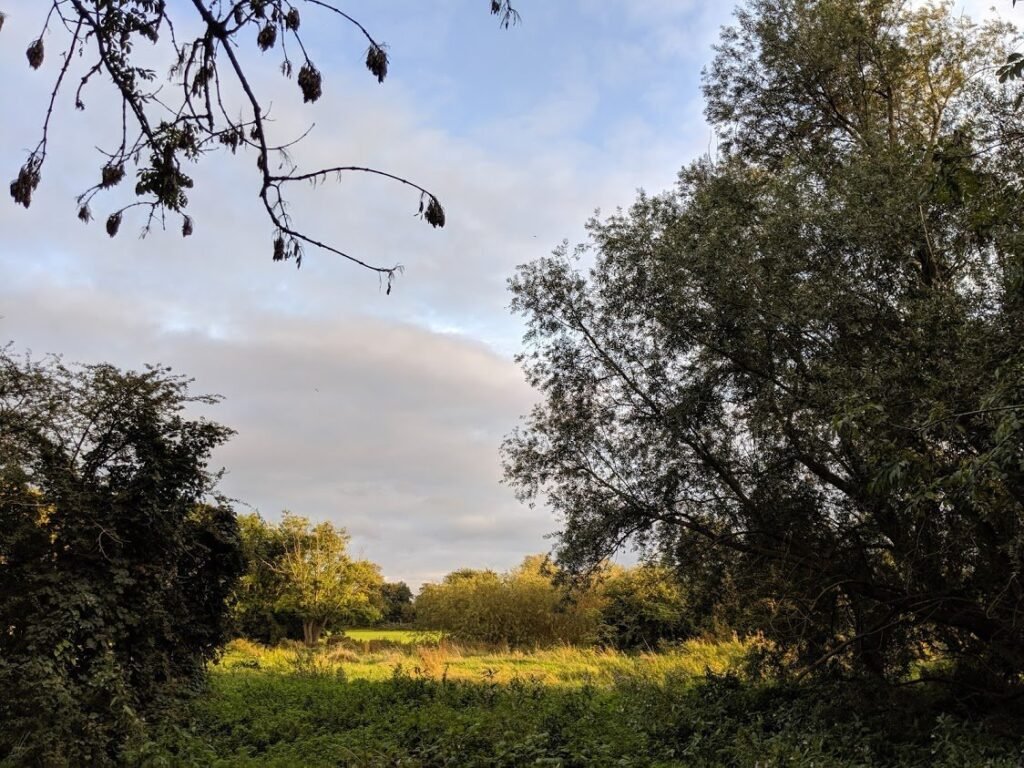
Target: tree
216, 106
116, 555
396, 598
808, 355
321, 583
256, 608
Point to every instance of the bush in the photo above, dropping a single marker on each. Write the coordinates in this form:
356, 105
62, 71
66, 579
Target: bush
114, 569
523, 608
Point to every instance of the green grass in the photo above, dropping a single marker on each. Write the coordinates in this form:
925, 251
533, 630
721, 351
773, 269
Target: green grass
444, 705
398, 636
370, 660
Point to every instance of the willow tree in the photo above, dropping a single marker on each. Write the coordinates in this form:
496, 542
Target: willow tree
804, 363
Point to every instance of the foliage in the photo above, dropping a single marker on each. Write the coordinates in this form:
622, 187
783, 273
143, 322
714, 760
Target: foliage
806, 359
210, 104
300, 572
277, 715
116, 556
397, 607
644, 606
522, 608
256, 610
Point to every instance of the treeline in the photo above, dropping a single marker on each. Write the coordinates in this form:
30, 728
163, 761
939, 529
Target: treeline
299, 582
640, 607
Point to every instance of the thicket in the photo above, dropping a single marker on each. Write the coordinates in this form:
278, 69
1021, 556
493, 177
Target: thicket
521, 608
641, 607
116, 556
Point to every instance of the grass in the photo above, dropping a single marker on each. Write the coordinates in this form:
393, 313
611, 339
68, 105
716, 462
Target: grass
439, 704
440, 659
397, 636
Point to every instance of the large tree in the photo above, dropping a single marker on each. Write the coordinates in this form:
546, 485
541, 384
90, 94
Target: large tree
116, 556
320, 582
213, 102
804, 364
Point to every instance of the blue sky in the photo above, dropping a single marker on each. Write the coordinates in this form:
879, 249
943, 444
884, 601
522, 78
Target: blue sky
382, 413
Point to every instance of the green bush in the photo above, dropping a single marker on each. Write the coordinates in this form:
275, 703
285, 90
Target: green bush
522, 608
114, 569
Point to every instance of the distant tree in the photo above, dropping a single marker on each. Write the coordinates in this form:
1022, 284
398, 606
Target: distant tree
211, 103
644, 606
807, 356
320, 582
256, 608
522, 608
396, 601
116, 556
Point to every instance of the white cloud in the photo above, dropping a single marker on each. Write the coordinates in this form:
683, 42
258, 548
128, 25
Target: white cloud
382, 413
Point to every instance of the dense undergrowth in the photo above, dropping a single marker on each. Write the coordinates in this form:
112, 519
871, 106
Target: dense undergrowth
440, 705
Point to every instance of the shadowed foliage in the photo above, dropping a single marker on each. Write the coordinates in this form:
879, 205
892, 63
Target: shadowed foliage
800, 372
116, 556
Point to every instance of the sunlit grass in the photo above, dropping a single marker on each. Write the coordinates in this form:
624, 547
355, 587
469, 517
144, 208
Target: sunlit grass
441, 659
399, 636
376, 702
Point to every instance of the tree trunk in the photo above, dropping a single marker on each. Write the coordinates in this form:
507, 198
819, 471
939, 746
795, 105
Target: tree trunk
311, 632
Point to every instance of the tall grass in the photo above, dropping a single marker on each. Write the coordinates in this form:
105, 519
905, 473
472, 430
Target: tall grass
561, 665
458, 706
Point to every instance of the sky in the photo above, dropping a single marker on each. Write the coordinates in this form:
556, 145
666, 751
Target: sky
382, 413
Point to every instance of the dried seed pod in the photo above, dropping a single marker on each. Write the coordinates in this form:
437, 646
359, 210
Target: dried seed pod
239, 17
279, 248
267, 37
258, 7
186, 226
377, 61
34, 54
291, 19
113, 223
434, 213
310, 82
28, 179
84, 214
111, 175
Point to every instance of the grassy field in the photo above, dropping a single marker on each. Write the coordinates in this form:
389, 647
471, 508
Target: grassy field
396, 636
405, 703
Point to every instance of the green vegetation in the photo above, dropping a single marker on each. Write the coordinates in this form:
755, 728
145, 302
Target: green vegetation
299, 575
448, 706
798, 377
795, 382
116, 556
397, 636
522, 608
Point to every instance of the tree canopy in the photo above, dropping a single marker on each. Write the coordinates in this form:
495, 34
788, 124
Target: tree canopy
299, 571
803, 365
213, 103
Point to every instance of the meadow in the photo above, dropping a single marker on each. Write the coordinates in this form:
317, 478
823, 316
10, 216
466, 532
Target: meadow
384, 699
